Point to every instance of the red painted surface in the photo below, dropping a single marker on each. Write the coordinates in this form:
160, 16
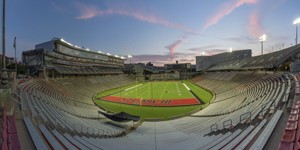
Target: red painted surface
152, 102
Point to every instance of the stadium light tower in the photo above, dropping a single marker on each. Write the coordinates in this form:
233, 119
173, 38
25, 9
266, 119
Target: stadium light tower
129, 57
296, 23
4, 75
262, 39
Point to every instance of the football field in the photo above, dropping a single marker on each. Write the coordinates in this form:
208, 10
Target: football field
157, 90
144, 98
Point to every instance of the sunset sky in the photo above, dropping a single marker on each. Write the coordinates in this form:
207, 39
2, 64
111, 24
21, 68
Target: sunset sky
160, 31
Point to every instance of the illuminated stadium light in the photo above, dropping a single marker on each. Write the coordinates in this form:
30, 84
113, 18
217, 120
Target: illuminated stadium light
87, 49
203, 53
100, 52
129, 57
230, 49
122, 57
296, 23
66, 42
108, 54
117, 56
262, 39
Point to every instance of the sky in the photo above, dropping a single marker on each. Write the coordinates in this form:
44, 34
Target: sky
157, 31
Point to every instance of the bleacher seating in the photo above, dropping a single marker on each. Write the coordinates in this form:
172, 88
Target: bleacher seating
291, 136
50, 138
258, 62
37, 139
9, 135
85, 70
263, 138
63, 114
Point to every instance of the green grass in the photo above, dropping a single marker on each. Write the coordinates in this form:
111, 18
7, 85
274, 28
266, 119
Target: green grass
155, 90
145, 112
115, 90
203, 94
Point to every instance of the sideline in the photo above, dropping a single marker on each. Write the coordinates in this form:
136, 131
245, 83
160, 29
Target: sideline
133, 87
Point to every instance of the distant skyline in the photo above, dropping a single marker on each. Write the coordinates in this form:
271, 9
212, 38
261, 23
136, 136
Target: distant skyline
157, 31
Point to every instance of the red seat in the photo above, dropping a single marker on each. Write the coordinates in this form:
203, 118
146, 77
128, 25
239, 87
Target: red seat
4, 126
4, 134
4, 145
297, 106
296, 146
13, 142
11, 125
297, 102
293, 117
4, 115
295, 111
286, 145
297, 91
291, 125
289, 136
298, 134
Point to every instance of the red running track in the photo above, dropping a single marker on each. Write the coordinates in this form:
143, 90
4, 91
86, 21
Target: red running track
151, 102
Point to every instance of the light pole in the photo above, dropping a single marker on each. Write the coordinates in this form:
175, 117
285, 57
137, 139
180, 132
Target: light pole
15, 47
203, 53
129, 57
4, 76
262, 39
296, 23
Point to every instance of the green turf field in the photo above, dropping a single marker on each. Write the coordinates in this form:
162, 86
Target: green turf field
155, 90
150, 112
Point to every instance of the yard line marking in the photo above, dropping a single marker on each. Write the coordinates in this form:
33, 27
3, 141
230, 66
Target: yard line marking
164, 90
145, 91
133, 87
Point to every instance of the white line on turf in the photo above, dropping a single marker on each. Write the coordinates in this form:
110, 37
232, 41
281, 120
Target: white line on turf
133, 87
164, 90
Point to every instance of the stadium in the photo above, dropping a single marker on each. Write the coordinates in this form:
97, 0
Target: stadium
72, 102
71, 97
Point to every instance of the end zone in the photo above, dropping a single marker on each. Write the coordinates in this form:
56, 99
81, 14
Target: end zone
152, 102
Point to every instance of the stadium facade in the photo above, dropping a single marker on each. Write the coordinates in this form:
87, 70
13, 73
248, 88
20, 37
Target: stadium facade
282, 60
58, 58
204, 62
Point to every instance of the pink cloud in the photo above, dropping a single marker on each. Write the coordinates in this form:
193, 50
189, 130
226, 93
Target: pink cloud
254, 25
226, 9
88, 12
172, 47
160, 60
